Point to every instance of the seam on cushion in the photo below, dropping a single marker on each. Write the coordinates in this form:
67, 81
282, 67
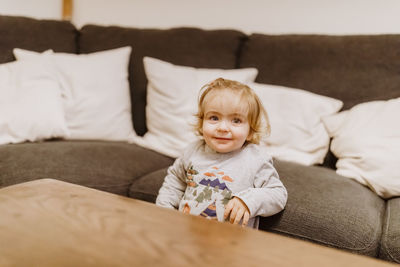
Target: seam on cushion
239, 52
324, 242
147, 173
104, 185
151, 171
388, 250
139, 195
78, 37
141, 177
144, 193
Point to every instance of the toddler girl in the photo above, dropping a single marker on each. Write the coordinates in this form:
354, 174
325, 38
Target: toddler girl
227, 175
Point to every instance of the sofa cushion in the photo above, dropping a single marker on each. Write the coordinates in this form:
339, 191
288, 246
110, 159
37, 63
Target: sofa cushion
328, 209
172, 102
95, 90
146, 187
107, 166
353, 69
30, 103
322, 207
297, 132
181, 46
390, 242
37, 35
366, 140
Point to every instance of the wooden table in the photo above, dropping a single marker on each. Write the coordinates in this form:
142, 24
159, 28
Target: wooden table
51, 223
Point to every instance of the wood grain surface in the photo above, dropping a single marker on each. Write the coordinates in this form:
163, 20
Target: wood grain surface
52, 223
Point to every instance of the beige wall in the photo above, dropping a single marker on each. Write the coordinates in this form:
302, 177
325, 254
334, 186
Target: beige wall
46, 9
266, 16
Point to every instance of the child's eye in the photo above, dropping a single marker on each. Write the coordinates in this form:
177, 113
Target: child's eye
213, 118
236, 120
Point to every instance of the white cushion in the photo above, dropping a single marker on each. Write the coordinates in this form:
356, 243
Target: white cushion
30, 103
172, 94
366, 141
297, 132
95, 90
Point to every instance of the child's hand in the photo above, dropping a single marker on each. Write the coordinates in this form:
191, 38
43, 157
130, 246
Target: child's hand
236, 210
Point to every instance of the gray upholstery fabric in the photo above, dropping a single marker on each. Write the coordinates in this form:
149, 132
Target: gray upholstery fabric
354, 69
108, 166
328, 209
322, 207
37, 35
390, 242
182, 46
146, 188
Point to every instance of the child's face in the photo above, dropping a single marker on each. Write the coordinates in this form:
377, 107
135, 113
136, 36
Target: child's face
225, 125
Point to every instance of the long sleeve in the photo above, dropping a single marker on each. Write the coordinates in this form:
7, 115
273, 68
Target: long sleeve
269, 196
173, 188
202, 182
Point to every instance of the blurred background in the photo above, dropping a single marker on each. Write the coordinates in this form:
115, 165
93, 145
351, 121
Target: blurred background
263, 16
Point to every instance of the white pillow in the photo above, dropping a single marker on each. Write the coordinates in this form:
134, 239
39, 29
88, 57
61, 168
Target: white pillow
30, 103
172, 94
95, 90
366, 141
297, 132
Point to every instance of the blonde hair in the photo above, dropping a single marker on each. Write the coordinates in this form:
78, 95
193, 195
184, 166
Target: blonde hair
256, 115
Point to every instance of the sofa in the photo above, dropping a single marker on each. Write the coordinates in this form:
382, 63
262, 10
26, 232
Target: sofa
323, 207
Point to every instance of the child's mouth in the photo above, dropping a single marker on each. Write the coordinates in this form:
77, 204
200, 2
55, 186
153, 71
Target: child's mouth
222, 138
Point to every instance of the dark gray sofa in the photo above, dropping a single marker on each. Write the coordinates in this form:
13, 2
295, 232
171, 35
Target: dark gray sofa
322, 207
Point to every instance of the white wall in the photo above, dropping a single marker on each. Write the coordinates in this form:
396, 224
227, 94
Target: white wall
266, 16
42, 9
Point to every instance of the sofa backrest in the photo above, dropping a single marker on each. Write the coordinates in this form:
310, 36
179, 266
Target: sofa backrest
354, 69
181, 46
36, 35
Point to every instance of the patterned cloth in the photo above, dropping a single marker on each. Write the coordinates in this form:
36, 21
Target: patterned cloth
202, 181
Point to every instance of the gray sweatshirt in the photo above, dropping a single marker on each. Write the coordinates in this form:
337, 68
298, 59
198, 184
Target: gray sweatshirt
202, 181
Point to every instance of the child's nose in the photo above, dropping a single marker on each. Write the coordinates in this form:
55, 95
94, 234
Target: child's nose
223, 126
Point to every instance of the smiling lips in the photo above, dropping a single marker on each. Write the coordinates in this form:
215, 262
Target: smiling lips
222, 138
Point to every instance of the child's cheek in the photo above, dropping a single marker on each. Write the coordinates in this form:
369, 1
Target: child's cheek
208, 128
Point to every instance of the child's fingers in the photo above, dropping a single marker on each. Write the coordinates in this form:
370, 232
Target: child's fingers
246, 218
228, 209
234, 212
239, 216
